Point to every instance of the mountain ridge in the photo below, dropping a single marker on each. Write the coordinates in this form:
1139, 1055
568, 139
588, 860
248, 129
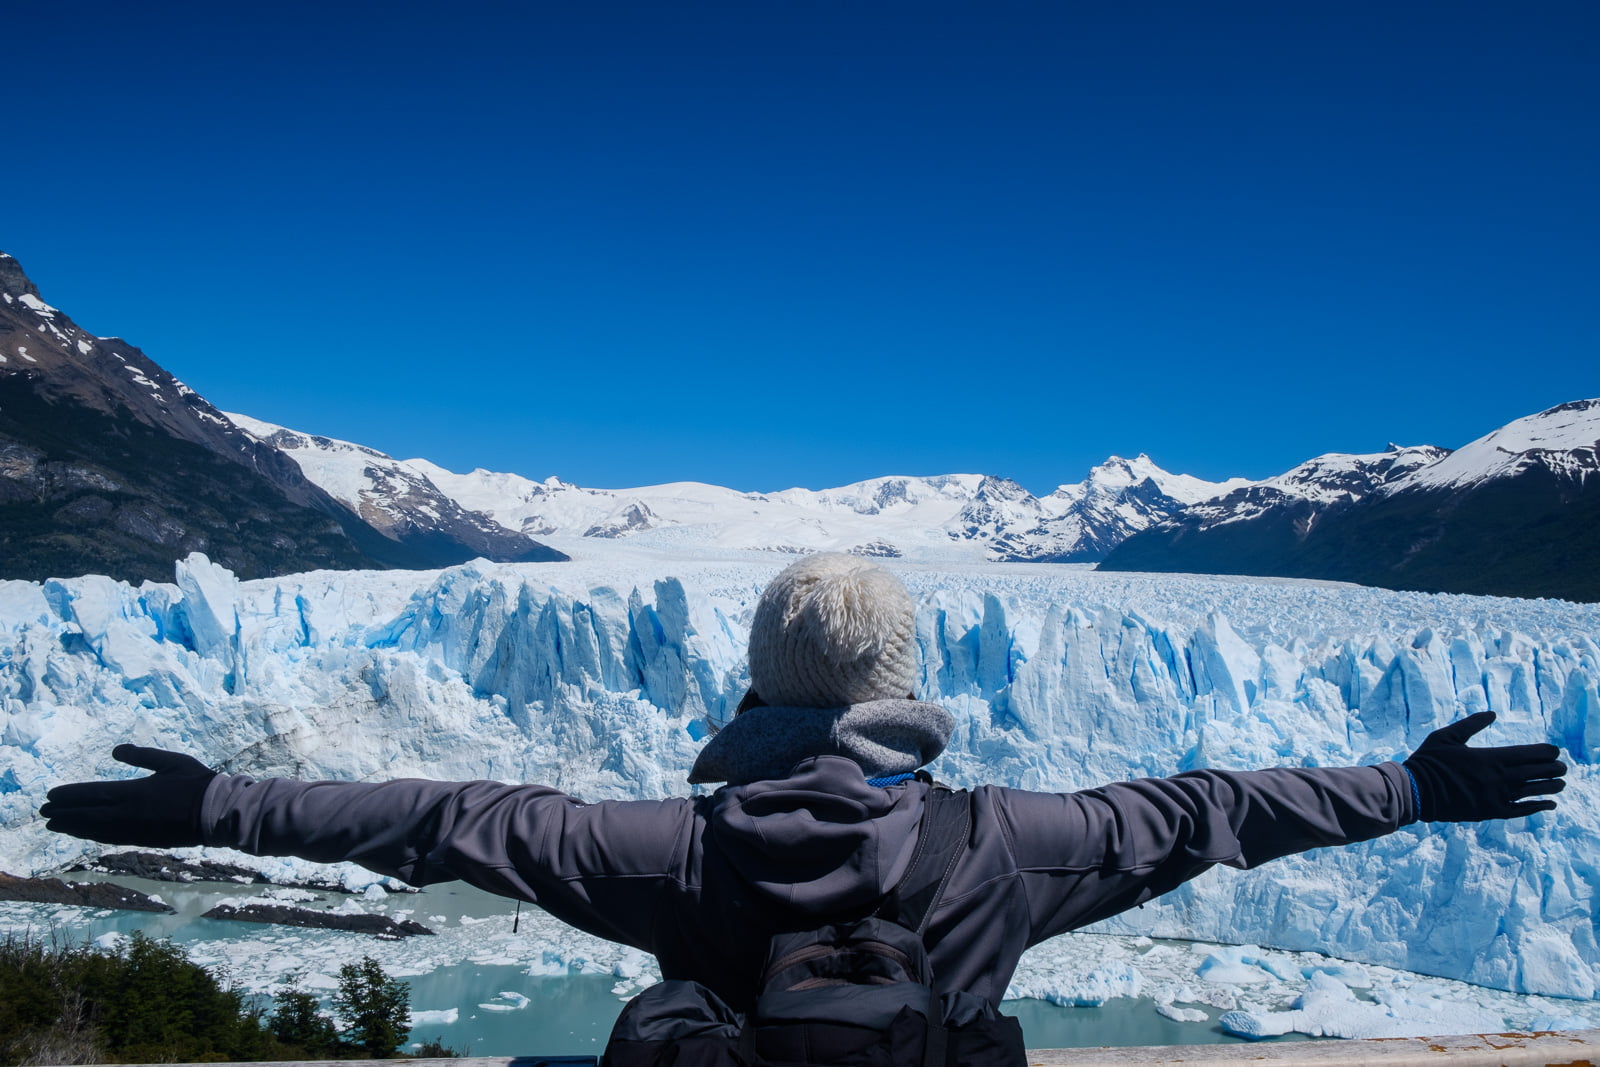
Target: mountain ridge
1125, 514
393, 499
928, 516
110, 464
1515, 512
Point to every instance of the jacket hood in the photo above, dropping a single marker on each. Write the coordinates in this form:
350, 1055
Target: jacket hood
820, 840
882, 736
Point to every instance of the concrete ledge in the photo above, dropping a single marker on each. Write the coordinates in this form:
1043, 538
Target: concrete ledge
1569, 1048
1573, 1048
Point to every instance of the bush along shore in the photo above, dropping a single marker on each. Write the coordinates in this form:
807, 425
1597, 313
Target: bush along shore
145, 1001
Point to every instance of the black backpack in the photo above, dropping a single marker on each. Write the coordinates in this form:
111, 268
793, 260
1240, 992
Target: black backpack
857, 993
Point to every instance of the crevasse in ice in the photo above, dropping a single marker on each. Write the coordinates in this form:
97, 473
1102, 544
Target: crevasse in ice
601, 678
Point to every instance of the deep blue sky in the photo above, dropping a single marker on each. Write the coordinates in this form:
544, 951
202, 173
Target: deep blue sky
768, 243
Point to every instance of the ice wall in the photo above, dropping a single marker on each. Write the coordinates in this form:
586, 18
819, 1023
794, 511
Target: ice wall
601, 680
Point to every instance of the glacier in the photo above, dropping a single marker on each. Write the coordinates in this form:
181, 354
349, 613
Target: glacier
602, 676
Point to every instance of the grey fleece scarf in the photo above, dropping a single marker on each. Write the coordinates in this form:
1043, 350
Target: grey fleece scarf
883, 736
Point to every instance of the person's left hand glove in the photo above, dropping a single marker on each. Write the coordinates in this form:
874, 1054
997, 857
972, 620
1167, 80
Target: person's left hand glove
160, 811
1456, 783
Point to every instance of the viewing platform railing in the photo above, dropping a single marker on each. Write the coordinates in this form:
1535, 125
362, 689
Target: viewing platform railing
1570, 1048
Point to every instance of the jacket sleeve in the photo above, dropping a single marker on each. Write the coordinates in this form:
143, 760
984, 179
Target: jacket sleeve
1087, 856
596, 866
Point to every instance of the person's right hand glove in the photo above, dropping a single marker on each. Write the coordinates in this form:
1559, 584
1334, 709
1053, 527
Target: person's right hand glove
1460, 784
159, 811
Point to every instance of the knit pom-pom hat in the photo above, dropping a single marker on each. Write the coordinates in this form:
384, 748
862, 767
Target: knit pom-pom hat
832, 630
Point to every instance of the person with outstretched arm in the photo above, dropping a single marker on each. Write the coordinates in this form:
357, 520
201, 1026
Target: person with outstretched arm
819, 815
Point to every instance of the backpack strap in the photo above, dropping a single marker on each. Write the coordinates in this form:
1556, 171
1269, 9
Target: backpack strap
946, 825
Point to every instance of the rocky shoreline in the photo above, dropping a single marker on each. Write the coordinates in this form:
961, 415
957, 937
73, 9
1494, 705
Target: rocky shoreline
83, 894
285, 915
159, 867
156, 866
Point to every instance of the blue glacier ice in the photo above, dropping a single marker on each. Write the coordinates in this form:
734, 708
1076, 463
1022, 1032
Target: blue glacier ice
601, 677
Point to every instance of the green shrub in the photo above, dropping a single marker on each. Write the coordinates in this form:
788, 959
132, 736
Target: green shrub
47, 1018
374, 1007
147, 1002
142, 1002
297, 1022
435, 1049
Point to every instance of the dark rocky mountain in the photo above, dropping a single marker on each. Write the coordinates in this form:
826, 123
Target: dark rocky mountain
397, 501
1515, 513
110, 465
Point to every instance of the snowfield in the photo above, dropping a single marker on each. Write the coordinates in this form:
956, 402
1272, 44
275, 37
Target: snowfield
600, 676
957, 518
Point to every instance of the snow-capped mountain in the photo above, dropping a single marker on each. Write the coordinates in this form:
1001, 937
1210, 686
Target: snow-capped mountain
1119, 498
692, 514
1514, 513
108, 463
393, 498
948, 516
1295, 499
1562, 442
102, 497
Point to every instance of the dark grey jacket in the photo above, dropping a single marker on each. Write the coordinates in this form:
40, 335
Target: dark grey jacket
702, 883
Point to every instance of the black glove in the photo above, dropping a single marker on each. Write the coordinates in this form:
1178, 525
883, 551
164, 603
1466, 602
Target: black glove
1460, 784
161, 811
